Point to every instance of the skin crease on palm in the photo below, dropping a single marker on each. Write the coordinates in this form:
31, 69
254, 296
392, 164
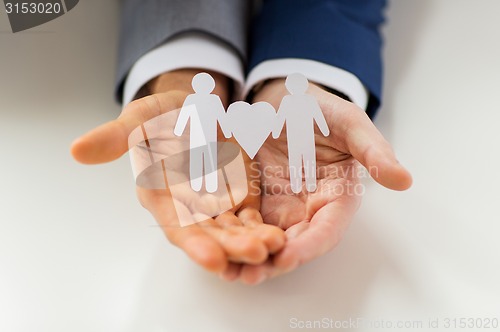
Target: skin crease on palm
272, 232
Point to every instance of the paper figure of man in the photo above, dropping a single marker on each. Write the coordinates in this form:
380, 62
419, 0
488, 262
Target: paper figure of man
300, 111
204, 110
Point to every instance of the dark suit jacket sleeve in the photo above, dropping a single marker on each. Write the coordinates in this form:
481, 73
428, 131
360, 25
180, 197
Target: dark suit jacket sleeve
146, 24
341, 33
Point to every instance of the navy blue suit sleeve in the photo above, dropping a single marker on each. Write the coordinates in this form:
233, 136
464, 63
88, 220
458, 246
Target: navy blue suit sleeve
341, 33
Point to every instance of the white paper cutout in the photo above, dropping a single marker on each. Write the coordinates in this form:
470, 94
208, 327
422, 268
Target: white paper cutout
251, 125
203, 110
160, 161
298, 111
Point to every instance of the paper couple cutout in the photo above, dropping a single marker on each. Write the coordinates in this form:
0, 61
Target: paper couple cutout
251, 125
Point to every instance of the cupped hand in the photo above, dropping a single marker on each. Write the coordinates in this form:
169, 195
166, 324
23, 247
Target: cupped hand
222, 244
315, 222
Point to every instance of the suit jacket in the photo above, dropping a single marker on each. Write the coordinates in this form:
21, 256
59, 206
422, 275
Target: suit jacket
341, 33
146, 24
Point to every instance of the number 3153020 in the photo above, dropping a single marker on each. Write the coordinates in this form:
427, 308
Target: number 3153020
33, 8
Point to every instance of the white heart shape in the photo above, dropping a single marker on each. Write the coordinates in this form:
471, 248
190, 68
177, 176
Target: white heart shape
251, 124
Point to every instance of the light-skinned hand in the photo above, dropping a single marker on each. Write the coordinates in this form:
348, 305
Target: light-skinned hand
221, 244
315, 222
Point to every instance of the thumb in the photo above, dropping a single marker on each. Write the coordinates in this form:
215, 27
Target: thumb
353, 132
110, 140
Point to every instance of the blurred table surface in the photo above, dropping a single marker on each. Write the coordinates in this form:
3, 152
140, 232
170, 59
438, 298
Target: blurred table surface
79, 253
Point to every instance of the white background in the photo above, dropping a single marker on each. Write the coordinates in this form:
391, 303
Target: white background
78, 253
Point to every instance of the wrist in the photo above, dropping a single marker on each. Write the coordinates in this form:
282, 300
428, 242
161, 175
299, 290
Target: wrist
180, 80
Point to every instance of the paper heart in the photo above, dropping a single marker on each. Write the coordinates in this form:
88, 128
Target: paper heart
251, 124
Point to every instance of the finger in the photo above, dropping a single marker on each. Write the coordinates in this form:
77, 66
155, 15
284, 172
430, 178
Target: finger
293, 231
231, 273
273, 237
257, 274
356, 134
201, 247
323, 233
240, 247
249, 222
250, 217
198, 245
110, 140
228, 220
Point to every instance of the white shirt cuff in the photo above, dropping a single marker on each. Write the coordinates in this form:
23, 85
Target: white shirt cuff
189, 50
318, 72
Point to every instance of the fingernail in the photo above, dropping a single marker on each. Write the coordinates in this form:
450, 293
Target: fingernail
261, 279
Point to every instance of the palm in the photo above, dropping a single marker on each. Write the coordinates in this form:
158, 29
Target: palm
310, 219
314, 222
238, 235
336, 184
